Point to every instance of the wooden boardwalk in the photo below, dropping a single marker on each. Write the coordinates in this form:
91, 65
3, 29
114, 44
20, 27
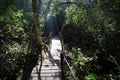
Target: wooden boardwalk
50, 69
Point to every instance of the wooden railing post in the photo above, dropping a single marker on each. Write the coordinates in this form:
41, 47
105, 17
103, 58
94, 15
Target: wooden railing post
62, 58
62, 67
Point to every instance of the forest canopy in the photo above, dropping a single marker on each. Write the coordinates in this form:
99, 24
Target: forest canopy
93, 26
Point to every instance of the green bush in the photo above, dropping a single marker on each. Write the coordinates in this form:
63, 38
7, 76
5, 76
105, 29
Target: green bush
80, 66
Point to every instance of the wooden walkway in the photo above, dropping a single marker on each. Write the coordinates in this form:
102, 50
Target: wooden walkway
50, 69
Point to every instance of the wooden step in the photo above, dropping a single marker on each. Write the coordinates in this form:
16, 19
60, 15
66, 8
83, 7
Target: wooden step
47, 71
50, 63
46, 78
48, 67
48, 74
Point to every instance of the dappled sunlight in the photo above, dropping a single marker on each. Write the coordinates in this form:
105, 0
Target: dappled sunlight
55, 48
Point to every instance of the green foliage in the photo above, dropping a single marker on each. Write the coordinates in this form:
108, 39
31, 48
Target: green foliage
111, 9
17, 43
14, 44
15, 25
80, 58
80, 66
91, 77
95, 29
12, 62
5, 6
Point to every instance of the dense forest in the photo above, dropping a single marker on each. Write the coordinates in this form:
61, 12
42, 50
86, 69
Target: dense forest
90, 30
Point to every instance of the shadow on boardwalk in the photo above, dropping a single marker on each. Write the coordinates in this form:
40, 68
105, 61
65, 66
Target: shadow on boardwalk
53, 68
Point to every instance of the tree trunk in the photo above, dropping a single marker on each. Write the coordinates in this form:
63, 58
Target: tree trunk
32, 58
36, 8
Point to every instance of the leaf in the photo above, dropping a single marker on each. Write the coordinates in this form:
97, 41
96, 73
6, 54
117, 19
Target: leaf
20, 29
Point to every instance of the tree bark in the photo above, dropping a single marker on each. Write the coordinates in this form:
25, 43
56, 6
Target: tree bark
32, 58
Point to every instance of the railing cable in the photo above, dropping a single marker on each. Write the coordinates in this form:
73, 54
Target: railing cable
63, 58
71, 69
